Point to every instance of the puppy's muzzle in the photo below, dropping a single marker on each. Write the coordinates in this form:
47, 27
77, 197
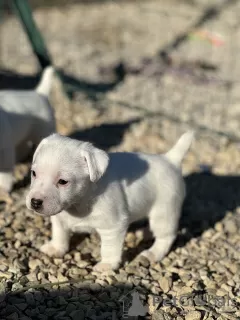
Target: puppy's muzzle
36, 204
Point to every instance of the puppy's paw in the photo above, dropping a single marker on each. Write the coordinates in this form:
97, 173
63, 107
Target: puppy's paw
104, 267
149, 255
50, 250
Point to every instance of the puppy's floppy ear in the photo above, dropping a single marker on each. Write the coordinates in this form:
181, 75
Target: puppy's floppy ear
97, 161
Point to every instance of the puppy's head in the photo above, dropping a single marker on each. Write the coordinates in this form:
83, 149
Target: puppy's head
63, 169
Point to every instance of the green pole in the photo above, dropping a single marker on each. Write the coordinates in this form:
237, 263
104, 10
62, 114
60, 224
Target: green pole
24, 12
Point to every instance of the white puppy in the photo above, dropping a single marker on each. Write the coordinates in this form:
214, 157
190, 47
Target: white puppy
25, 117
83, 188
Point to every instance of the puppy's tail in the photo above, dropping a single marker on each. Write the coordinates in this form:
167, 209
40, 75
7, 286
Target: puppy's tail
45, 84
179, 150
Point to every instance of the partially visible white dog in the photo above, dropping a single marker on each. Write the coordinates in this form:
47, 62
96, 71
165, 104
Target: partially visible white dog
26, 117
83, 188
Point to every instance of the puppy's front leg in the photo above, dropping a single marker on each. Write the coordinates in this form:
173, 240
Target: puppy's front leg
111, 248
59, 244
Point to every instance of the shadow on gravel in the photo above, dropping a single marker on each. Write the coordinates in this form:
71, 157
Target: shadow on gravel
209, 198
74, 85
12, 80
77, 302
106, 135
212, 12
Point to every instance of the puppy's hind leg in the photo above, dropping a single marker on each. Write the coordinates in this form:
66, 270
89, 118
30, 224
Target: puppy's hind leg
163, 222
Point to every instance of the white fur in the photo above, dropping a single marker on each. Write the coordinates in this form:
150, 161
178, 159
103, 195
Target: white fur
26, 117
106, 192
45, 84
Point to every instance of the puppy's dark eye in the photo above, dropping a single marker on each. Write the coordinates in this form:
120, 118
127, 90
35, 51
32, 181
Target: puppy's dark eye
62, 182
33, 173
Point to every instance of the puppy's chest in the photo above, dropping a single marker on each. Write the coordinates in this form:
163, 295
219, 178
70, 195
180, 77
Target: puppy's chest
82, 224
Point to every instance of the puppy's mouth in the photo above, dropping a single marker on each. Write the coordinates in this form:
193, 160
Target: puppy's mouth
41, 213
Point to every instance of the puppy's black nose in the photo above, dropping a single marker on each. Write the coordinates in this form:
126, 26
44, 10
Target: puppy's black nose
36, 203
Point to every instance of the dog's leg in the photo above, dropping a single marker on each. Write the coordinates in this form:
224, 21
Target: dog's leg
59, 244
111, 248
163, 222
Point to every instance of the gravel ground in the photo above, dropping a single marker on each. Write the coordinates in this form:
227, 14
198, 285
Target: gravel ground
145, 111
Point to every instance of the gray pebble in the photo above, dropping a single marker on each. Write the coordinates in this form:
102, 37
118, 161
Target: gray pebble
70, 307
11, 309
158, 315
95, 287
77, 315
30, 299
230, 226
61, 301
84, 297
13, 316
6, 275
103, 297
50, 311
